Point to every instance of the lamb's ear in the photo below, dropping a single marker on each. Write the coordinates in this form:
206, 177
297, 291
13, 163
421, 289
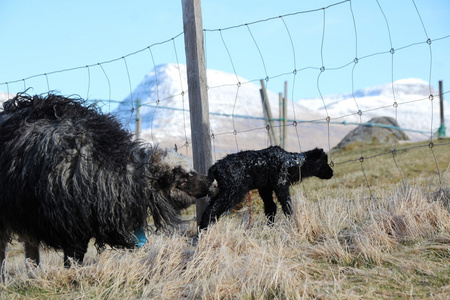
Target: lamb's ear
320, 151
315, 154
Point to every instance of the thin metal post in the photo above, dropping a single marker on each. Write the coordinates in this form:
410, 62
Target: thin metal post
137, 132
441, 131
284, 123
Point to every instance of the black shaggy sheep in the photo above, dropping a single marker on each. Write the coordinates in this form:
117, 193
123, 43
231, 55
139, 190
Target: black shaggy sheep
69, 173
268, 170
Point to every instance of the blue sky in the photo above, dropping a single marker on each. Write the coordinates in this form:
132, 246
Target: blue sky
40, 37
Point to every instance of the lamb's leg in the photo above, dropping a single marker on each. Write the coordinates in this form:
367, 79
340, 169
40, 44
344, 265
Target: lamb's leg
284, 198
270, 207
216, 207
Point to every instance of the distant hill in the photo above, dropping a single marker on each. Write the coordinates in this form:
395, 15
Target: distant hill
375, 135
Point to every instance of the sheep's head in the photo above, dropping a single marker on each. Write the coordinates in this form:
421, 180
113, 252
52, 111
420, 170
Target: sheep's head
192, 184
185, 185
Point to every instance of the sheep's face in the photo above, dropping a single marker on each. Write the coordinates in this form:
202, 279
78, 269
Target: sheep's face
183, 184
194, 184
187, 186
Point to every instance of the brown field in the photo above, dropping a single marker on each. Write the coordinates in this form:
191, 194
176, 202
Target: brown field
379, 229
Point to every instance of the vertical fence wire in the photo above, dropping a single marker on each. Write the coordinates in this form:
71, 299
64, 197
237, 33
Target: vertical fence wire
235, 132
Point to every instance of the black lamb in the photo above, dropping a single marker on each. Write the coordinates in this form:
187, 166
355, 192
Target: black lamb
268, 170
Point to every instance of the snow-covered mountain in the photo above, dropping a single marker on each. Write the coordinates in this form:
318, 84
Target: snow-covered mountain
165, 105
163, 94
414, 110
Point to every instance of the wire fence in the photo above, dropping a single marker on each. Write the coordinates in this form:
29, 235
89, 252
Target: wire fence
236, 116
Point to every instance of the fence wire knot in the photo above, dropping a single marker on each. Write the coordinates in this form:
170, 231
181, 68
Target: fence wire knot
361, 159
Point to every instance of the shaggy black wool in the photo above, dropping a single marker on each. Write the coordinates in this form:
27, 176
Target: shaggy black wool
268, 170
70, 173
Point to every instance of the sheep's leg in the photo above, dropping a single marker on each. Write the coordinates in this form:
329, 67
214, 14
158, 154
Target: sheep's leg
270, 207
2, 259
32, 251
77, 255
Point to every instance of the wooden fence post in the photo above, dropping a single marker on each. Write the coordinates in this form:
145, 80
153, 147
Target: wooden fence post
268, 114
281, 116
197, 88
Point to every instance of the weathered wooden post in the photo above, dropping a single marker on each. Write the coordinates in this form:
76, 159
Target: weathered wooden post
280, 117
268, 114
198, 95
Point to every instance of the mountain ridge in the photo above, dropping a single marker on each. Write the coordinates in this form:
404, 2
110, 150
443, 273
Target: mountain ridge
226, 99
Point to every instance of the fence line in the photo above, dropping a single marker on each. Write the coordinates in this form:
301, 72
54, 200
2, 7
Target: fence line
287, 72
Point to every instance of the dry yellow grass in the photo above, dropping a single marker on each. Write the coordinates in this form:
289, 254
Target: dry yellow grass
341, 243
